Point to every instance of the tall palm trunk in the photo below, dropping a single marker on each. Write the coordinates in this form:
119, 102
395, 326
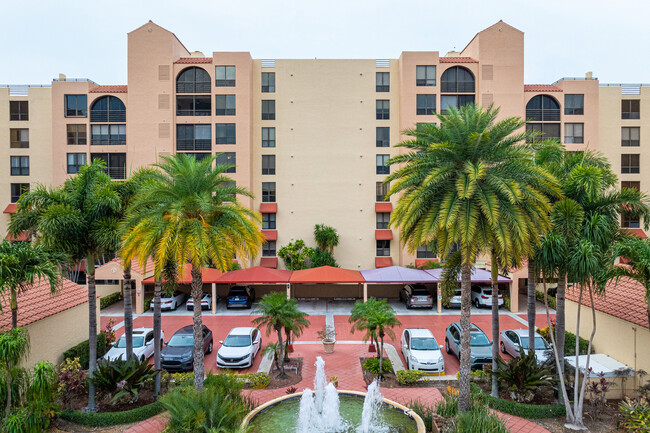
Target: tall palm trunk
128, 312
282, 374
157, 332
14, 309
375, 340
532, 286
495, 321
560, 324
381, 355
197, 295
287, 332
465, 321
92, 330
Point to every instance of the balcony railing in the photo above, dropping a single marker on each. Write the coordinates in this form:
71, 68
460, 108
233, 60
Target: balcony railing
116, 172
543, 114
190, 144
107, 116
457, 86
200, 87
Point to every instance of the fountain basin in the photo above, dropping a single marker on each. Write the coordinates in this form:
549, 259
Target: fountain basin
282, 412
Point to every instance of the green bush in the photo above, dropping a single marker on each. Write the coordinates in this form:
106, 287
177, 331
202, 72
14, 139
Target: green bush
147, 302
81, 350
569, 342
183, 379
90, 419
478, 420
522, 410
552, 301
426, 412
408, 377
108, 300
121, 378
372, 365
522, 376
636, 415
448, 407
259, 380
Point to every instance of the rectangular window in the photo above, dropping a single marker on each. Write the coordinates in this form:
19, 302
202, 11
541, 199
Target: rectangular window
20, 165
546, 131
268, 249
382, 191
225, 105
196, 105
382, 164
426, 104
630, 222
19, 138
631, 184
268, 164
631, 136
17, 189
226, 133
75, 106
268, 137
115, 163
229, 159
423, 252
76, 134
225, 76
630, 109
383, 136
425, 75
268, 82
268, 109
383, 109
383, 218
383, 248
268, 192
574, 132
108, 134
18, 110
268, 221
455, 101
630, 163
383, 81
574, 104
193, 137
75, 161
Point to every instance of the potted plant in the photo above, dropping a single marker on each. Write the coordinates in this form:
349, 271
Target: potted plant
328, 337
334, 380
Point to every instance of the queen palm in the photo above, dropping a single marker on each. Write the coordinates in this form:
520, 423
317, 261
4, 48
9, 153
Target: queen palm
275, 313
79, 219
464, 183
14, 348
187, 214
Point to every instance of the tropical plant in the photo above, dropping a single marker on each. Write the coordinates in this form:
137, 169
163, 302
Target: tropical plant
275, 311
326, 237
14, 348
359, 319
79, 219
188, 214
478, 420
120, 378
522, 376
295, 255
296, 323
371, 365
636, 415
274, 349
470, 182
259, 380
70, 378
318, 258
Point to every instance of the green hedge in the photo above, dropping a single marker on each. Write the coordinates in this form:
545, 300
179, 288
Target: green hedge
522, 410
552, 301
570, 345
82, 349
90, 419
108, 300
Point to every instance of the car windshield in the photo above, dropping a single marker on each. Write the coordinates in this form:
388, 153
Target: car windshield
182, 340
237, 341
137, 342
237, 292
540, 343
424, 344
478, 339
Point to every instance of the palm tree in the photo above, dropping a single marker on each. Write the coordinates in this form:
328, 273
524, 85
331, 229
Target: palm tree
465, 182
276, 313
21, 264
14, 347
326, 237
186, 214
637, 254
296, 324
359, 317
79, 219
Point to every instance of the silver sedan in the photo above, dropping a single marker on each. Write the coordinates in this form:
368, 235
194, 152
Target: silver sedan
514, 341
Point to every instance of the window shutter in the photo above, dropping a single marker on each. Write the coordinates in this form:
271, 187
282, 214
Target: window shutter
163, 72
488, 72
163, 130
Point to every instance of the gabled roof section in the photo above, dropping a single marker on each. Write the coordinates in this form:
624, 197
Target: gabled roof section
109, 89
162, 28
135, 267
255, 275
541, 88
498, 23
326, 274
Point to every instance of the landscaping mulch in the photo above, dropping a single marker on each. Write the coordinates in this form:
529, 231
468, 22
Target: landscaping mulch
606, 422
544, 395
293, 369
78, 401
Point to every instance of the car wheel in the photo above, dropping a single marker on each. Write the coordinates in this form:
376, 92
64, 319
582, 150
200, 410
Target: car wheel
476, 303
210, 347
142, 358
503, 347
162, 344
447, 346
408, 364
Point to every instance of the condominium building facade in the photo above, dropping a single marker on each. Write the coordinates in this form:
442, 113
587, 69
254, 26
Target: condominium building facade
310, 138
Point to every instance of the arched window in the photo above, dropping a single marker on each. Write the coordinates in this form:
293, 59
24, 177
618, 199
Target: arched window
193, 80
543, 108
108, 109
457, 80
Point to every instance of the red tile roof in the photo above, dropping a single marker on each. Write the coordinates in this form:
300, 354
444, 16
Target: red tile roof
38, 302
639, 233
135, 266
109, 89
326, 274
541, 88
210, 275
190, 60
624, 300
11, 208
255, 275
457, 60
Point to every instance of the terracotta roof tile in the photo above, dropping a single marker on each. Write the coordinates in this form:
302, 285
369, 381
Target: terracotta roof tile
210, 275
624, 300
190, 60
457, 60
135, 266
38, 302
109, 89
541, 88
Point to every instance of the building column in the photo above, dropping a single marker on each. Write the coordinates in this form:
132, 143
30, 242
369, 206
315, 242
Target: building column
214, 298
514, 297
288, 290
139, 296
439, 298
365, 292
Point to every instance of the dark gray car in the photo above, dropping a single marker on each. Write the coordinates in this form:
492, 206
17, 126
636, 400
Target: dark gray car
480, 345
177, 353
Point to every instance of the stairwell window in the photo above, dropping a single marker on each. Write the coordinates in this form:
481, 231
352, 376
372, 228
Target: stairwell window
19, 138
630, 136
268, 109
383, 109
18, 110
630, 163
383, 136
268, 221
382, 81
268, 82
382, 164
268, 164
383, 218
268, 137
268, 249
381, 191
20, 165
268, 192
383, 248
630, 109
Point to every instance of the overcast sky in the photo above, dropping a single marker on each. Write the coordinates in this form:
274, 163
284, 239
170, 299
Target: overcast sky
88, 39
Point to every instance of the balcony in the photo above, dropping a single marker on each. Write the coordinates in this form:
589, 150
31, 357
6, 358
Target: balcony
457, 87
107, 116
116, 172
192, 144
543, 114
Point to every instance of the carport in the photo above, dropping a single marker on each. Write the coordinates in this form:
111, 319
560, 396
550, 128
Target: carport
325, 282
266, 279
396, 276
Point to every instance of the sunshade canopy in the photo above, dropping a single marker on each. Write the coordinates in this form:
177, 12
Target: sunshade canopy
255, 275
397, 274
326, 274
478, 276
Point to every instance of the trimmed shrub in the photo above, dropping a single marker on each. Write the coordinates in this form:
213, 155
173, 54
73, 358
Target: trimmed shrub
522, 410
552, 300
569, 342
259, 380
409, 377
90, 419
108, 300
81, 350
372, 365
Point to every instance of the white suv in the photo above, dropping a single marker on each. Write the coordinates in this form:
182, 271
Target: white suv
482, 296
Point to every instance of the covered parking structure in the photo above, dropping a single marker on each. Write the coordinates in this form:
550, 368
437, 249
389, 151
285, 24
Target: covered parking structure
263, 280
326, 282
387, 282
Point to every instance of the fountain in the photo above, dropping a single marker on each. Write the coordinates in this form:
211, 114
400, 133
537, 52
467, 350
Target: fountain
325, 410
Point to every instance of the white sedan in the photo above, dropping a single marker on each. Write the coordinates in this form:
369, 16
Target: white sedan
239, 348
206, 302
170, 302
143, 345
421, 351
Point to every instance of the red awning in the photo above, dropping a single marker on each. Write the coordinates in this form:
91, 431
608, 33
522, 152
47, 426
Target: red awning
255, 275
22, 237
383, 207
270, 235
639, 233
384, 235
210, 275
383, 262
326, 274
269, 262
268, 208
11, 208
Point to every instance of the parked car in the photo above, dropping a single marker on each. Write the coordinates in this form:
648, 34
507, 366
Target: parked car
421, 351
206, 302
143, 345
240, 296
416, 295
239, 348
480, 344
514, 340
482, 296
172, 302
454, 302
177, 353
